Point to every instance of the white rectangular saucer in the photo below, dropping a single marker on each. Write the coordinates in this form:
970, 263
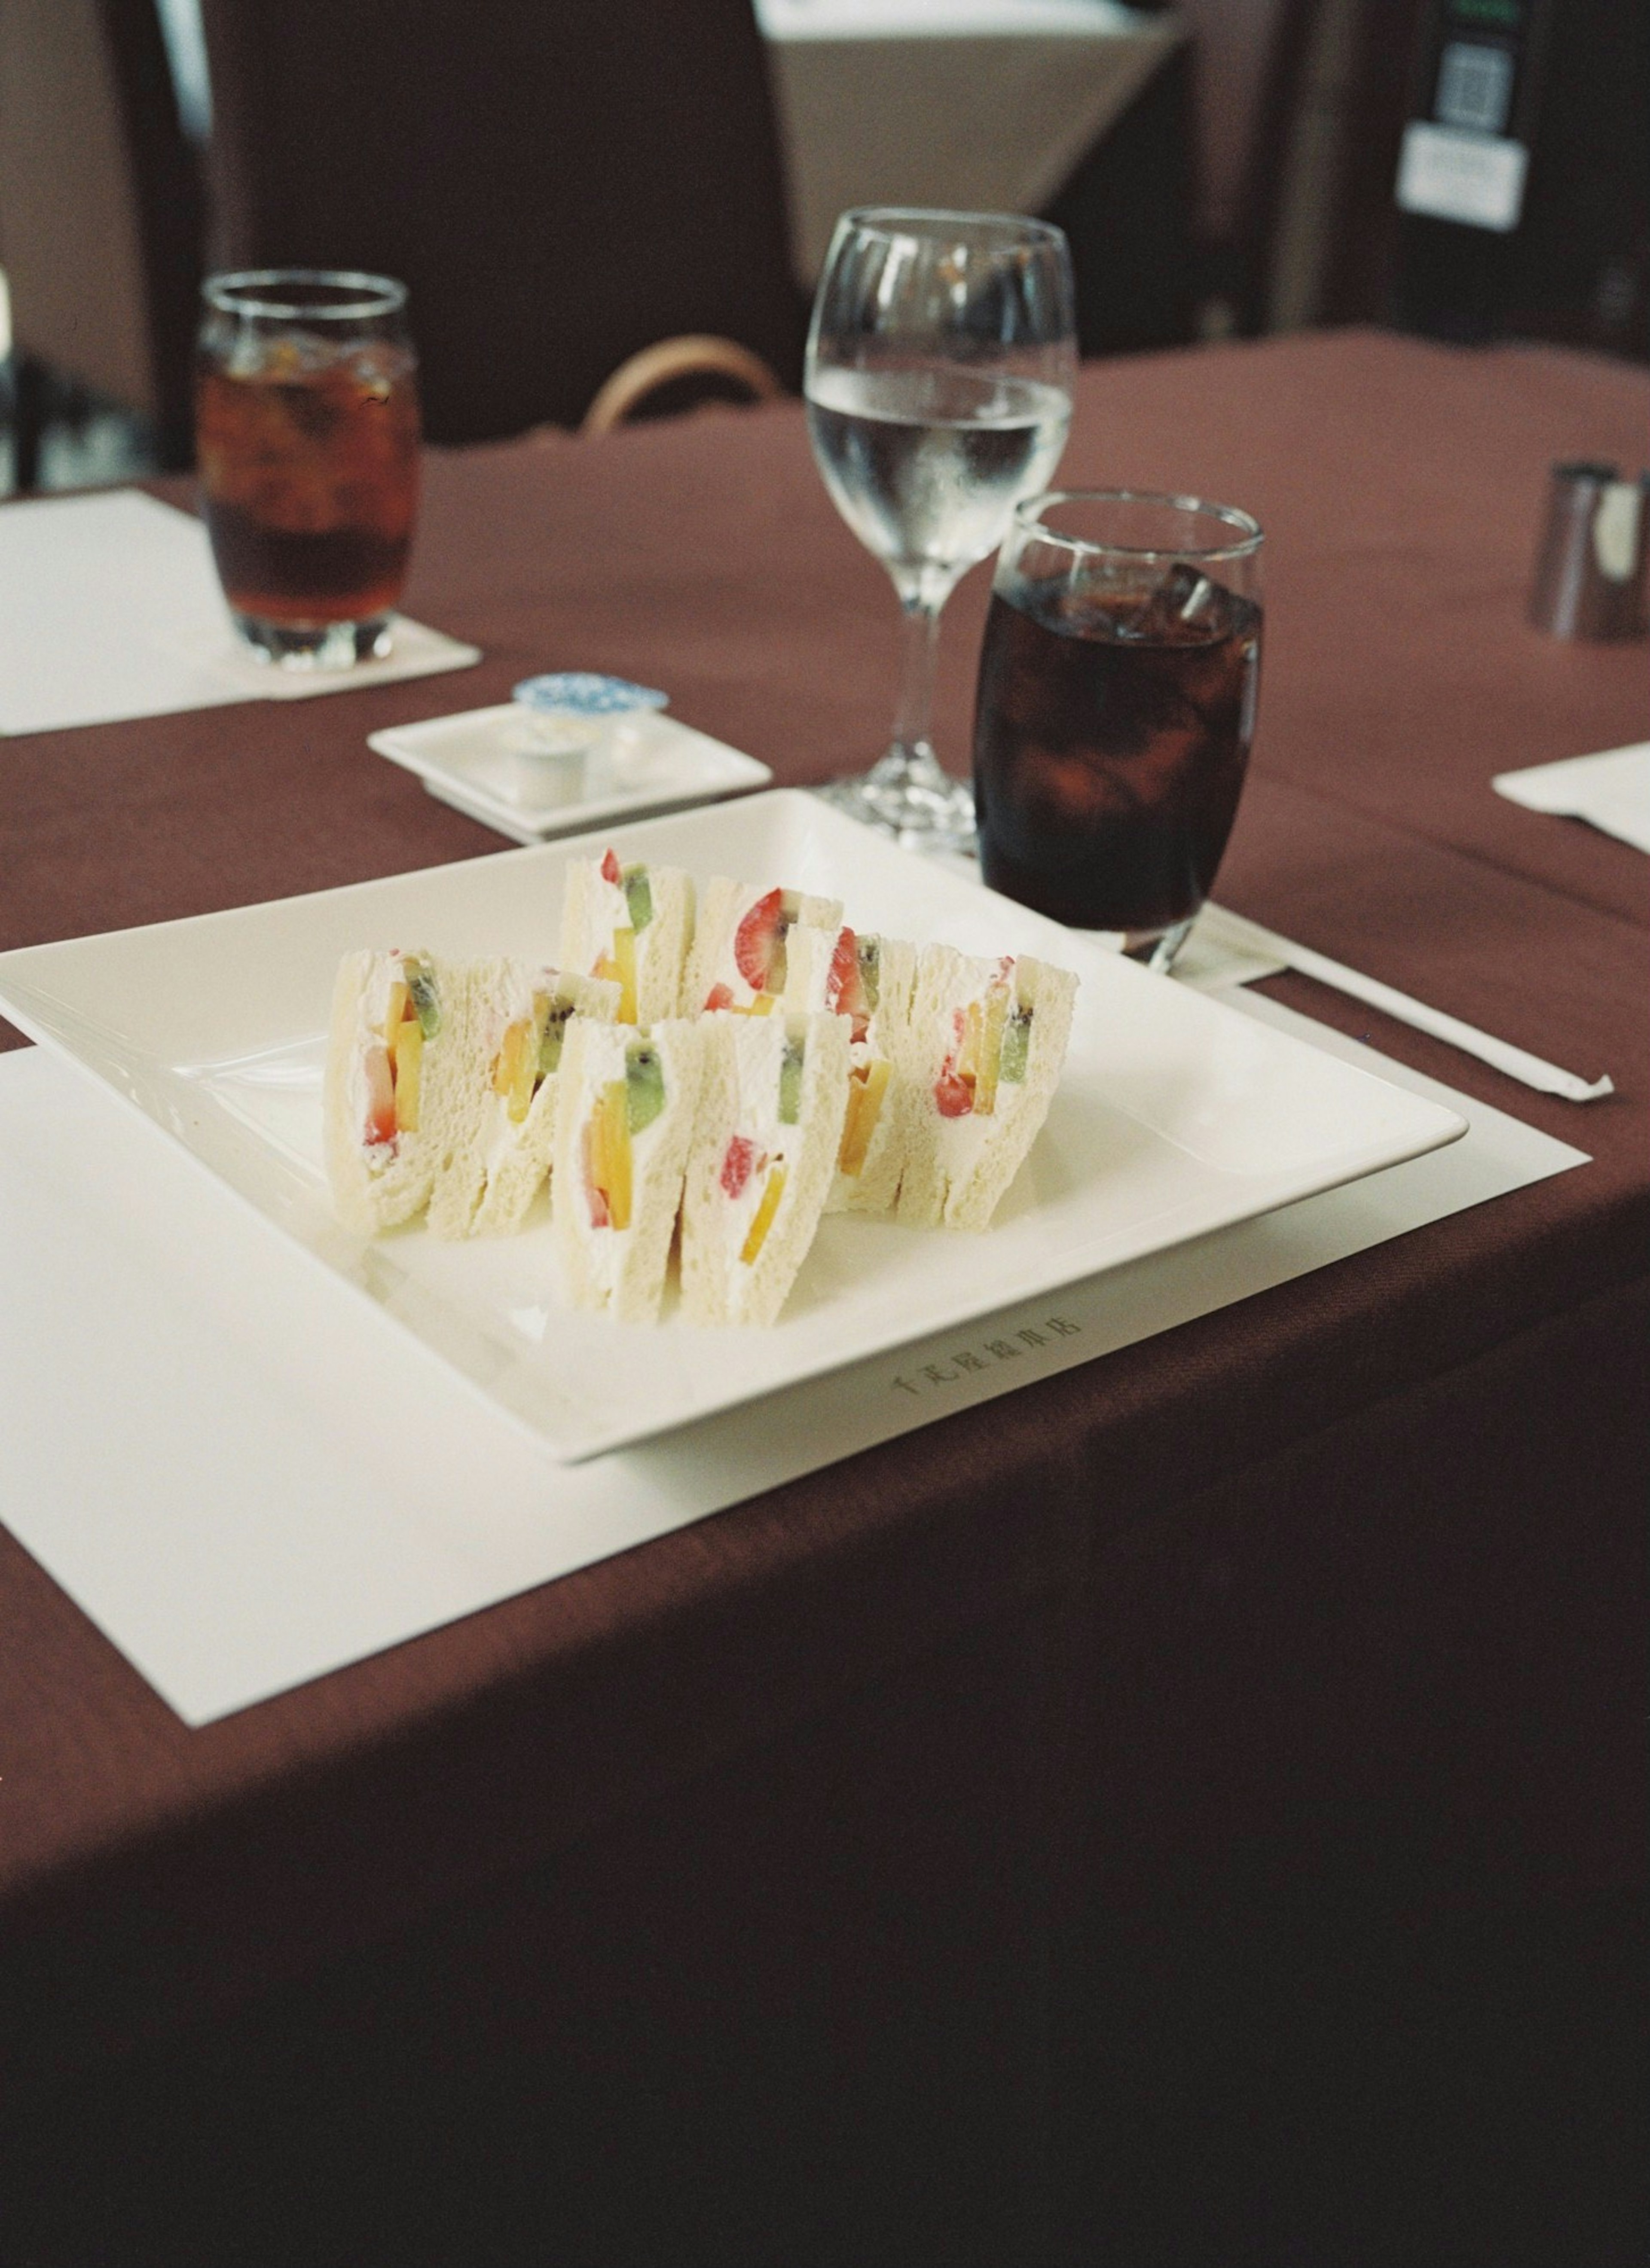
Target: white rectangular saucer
656, 763
1176, 1117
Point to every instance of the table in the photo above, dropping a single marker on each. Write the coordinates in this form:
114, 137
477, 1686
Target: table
1191, 1809
969, 105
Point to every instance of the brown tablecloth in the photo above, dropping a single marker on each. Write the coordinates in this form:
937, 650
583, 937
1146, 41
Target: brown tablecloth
1186, 1810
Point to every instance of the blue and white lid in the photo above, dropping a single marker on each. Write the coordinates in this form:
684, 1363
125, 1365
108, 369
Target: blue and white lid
585, 693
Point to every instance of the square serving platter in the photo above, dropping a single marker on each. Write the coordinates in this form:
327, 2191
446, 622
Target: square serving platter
1175, 1116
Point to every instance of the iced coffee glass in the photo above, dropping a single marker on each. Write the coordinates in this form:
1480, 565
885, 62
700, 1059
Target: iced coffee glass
306, 438
1115, 710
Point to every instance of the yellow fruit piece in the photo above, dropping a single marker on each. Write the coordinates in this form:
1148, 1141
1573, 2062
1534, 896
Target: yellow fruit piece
996, 1022
506, 1062
521, 1048
610, 1152
408, 1054
399, 1005
619, 968
867, 1087
762, 1221
968, 1052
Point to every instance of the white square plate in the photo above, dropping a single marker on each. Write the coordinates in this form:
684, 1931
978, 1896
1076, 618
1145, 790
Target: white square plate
1175, 1116
657, 763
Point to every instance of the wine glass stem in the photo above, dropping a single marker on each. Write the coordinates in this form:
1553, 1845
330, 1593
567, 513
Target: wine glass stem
913, 720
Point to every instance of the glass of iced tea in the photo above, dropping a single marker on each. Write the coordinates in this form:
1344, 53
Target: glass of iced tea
1116, 705
306, 438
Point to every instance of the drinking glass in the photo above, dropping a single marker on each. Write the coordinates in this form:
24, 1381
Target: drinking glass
306, 438
938, 382
1116, 705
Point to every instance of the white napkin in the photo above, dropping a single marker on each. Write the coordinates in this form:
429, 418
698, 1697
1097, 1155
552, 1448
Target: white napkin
110, 607
1610, 791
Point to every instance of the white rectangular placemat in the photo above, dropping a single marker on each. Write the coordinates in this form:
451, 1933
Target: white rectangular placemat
244, 1490
1610, 791
110, 608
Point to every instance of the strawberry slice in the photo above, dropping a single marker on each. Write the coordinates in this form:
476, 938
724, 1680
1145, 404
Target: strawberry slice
953, 1097
717, 996
738, 1164
759, 942
381, 1098
611, 871
842, 987
845, 983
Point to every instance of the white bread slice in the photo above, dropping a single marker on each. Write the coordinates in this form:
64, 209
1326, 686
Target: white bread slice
874, 975
742, 1142
958, 1161
622, 1269
517, 1016
713, 970
603, 899
378, 1184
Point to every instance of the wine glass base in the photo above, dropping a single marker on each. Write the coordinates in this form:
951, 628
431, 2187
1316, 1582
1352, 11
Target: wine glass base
921, 810
1156, 948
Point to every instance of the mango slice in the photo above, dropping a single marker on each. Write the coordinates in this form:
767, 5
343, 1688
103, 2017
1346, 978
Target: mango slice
399, 1007
762, 1220
407, 1056
867, 1084
610, 1152
619, 968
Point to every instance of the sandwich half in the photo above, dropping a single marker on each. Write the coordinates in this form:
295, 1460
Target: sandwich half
982, 1053
517, 1016
770, 1124
741, 948
631, 925
624, 1124
868, 980
396, 1090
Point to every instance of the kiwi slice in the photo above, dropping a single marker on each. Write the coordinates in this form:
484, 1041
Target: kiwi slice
643, 1086
790, 1083
638, 895
552, 1033
869, 951
421, 990
1016, 1046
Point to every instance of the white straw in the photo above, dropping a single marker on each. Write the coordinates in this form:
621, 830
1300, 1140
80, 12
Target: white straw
1517, 1063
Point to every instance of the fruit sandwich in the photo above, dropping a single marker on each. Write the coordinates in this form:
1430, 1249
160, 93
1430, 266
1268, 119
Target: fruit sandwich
440, 1088
624, 1125
518, 1017
630, 925
868, 980
395, 1094
765, 1153
740, 954
980, 1058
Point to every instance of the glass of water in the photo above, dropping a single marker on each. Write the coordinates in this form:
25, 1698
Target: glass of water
941, 363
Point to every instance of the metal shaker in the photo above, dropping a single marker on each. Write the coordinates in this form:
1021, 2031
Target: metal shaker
1590, 569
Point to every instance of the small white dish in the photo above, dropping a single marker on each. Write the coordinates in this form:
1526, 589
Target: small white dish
483, 762
1176, 1117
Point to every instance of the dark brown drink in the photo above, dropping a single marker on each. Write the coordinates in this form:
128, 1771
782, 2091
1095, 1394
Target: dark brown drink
308, 458
1110, 743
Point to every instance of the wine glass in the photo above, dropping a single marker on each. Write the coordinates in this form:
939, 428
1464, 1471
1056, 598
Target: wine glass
940, 361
